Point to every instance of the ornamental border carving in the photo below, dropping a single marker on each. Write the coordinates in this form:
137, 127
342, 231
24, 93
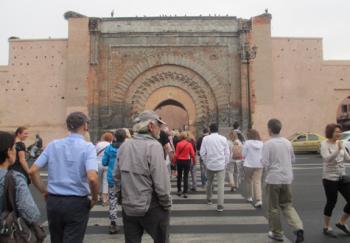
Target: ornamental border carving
221, 93
204, 102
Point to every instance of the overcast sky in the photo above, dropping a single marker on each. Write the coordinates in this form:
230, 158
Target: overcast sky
328, 19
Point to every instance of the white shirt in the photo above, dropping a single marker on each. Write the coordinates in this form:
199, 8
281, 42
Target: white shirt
100, 147
333, 160
215, 152
277, 158
252, 151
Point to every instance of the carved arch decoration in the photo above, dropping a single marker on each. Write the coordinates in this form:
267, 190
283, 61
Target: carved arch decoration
220, 90
174, 96
189, 82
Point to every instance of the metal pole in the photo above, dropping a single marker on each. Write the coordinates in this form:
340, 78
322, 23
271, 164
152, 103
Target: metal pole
249, 99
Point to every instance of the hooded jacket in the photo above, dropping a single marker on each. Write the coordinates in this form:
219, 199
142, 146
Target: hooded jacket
252, 153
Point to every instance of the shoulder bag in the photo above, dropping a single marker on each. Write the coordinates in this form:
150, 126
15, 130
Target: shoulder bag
13, 228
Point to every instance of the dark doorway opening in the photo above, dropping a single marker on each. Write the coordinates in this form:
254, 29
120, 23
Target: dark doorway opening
174, 114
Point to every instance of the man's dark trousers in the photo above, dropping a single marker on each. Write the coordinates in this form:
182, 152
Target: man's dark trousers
68, 217
155, 223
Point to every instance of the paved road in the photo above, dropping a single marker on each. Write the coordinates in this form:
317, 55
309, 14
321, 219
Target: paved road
309, 198
192, 220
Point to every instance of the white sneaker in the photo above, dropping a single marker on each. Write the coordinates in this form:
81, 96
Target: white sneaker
258, 204
249, 199
272, 236
220, 208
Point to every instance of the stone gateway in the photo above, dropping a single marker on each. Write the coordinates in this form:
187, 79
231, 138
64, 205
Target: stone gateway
191, 70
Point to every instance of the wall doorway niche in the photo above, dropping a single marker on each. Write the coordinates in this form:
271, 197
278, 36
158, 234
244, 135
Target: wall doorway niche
174, 114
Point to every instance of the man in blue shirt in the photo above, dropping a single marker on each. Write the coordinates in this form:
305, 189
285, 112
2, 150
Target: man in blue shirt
72, 176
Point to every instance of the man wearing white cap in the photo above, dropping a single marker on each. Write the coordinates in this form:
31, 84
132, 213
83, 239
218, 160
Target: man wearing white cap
143, 182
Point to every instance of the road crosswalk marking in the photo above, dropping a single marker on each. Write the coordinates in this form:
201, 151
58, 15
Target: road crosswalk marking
193, 220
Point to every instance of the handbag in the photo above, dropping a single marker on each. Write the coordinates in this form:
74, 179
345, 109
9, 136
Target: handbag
13, 228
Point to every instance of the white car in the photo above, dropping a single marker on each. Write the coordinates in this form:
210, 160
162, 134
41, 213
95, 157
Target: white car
345, 136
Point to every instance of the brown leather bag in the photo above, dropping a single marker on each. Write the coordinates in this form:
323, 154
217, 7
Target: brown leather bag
13, 228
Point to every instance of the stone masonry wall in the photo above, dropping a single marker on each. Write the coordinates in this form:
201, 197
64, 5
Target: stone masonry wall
32, 87
136, 57
308, 90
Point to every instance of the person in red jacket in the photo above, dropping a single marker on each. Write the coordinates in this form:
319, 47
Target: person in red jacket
184, 152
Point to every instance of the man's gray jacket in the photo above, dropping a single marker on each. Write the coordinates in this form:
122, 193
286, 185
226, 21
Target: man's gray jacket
142, 176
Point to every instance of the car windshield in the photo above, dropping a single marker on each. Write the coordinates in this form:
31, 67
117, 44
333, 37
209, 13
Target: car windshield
293, 136
345, 136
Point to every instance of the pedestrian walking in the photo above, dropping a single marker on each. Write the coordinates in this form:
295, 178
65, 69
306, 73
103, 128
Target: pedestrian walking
35, 148
252, 152
143, 181
203, 170
72, 176
184, 157
235, 167
277, 158
215, 154
101, 146
26, 207
174, 140
128, 133
335, 178
109, 160
192, 141
237, 129
21, 164
168, 150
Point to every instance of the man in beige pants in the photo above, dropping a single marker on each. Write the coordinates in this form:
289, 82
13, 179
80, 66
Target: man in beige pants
277, 158
215, 154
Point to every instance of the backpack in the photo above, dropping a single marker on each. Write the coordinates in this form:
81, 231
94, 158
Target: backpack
237, 151
13, 228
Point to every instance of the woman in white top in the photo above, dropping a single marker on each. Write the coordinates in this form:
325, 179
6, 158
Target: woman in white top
334, 178
234, 167
252, 153
106, 140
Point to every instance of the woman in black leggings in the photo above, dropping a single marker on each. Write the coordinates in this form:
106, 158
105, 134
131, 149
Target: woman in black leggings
184, 155
335, 179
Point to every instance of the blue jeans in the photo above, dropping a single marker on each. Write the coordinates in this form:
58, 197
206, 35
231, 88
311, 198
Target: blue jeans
204, 178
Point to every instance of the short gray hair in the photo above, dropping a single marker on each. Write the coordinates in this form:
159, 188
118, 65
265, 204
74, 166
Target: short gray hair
142, 127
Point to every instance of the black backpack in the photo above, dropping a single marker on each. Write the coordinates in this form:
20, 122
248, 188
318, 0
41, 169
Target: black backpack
13, 228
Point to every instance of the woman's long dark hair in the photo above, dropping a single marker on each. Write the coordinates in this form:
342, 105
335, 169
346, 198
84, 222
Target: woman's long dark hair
7, 141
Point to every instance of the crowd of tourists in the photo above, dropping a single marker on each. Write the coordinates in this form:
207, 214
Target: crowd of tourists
133, 168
